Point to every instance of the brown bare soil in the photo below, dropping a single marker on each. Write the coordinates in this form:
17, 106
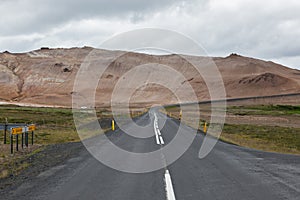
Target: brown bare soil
46, 77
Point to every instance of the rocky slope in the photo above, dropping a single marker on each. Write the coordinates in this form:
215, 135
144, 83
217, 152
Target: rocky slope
46, 77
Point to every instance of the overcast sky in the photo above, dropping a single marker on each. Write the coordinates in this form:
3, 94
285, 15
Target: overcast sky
268, 29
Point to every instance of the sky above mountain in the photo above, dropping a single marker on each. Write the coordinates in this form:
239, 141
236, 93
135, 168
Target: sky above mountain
267, 29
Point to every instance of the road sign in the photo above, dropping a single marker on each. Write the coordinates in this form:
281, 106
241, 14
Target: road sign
31, 127
21, 130
17, 130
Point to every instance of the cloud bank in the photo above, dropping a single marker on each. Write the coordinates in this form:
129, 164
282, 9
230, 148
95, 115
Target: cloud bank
267, 29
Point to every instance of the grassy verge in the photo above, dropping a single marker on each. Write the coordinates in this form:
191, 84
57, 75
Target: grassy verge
12, 165
262, 137
267, 138
272, 110
54, 125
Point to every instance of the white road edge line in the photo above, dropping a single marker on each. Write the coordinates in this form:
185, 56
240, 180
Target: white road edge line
169, 186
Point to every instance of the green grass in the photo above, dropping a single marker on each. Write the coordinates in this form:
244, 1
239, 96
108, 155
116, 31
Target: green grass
274, 110
268, 138
13, 165
172, 107
40, 116
54, 125
262, 137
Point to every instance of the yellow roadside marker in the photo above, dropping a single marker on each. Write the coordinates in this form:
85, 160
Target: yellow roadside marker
112, 125
205, 127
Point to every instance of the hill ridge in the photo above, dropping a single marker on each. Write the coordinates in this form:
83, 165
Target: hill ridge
46, 76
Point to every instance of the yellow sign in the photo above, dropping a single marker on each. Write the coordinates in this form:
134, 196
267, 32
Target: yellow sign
31, 128
18, 130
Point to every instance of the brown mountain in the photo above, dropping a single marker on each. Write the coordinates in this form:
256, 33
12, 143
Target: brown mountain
46, 76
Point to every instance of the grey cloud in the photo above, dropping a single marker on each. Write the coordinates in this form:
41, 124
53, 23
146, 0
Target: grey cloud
17, 45
256, 32
22, 17
266, 29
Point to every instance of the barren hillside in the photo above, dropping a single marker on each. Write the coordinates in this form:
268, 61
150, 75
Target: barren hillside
46, 77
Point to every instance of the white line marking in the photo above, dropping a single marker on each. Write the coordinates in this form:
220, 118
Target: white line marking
158, 131
156, 135
157, 140
155, 131
169, 186
161, 140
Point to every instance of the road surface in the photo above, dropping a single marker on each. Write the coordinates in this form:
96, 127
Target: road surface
228, 172
9, 126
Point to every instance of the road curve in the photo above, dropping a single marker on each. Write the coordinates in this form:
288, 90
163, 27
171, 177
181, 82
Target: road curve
228, 172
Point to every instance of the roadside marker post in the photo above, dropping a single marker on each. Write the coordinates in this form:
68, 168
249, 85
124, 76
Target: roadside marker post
205, 127
26, 138
112, 125
5, 131
22, 141
180, 115
17, 142
11, 144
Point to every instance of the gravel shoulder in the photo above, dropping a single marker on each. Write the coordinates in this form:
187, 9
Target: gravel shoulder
49, 157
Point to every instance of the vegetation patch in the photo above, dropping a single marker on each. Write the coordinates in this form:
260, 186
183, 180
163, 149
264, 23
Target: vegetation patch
54, 126
273, 110
267, 138
263, 137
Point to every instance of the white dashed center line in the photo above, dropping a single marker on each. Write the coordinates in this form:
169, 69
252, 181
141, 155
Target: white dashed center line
169, 186
158, 136
168, 180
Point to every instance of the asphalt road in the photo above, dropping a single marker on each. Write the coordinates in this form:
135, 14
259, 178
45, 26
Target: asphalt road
9, 126
228, 172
